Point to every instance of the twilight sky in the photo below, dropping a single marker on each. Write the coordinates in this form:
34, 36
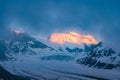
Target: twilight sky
100, 18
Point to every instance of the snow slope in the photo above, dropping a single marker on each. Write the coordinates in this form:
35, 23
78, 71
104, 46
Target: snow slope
33, 66
40, 59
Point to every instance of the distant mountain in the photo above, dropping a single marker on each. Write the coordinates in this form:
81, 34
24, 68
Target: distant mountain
94, 55
98, 57
18, 45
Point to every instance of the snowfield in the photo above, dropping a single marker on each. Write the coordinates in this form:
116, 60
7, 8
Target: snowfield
26, 56
33, 66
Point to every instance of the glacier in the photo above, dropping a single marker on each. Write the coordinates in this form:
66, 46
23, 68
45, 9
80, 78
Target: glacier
36, 59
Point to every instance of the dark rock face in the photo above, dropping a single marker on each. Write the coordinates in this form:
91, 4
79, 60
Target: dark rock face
5, 75
96, 64
95, 57
74, 50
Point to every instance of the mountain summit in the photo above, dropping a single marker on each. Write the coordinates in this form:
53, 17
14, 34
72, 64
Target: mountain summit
21, 50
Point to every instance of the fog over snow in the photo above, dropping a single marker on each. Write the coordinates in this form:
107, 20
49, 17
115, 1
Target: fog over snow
42, 17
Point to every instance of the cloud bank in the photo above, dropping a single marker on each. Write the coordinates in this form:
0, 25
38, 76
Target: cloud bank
72, 37
99, 18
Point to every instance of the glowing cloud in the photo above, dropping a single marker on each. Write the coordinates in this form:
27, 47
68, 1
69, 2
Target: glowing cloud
17, 31
72, 37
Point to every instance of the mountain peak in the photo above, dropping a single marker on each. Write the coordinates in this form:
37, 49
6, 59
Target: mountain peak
20, 36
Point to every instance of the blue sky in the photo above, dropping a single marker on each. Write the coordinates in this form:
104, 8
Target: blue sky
100, 18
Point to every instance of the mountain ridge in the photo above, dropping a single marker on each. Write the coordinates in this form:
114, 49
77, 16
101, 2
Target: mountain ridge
24, 44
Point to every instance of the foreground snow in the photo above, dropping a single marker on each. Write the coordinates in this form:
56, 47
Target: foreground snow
33, 66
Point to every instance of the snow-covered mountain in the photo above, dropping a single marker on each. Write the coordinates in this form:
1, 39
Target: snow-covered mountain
20, 44
99, 57
23, 55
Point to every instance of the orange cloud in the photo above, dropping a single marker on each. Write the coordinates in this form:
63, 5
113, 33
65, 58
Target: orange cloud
17, 31
72, 37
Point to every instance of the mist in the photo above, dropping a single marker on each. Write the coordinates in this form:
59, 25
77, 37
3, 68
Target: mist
45, 17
